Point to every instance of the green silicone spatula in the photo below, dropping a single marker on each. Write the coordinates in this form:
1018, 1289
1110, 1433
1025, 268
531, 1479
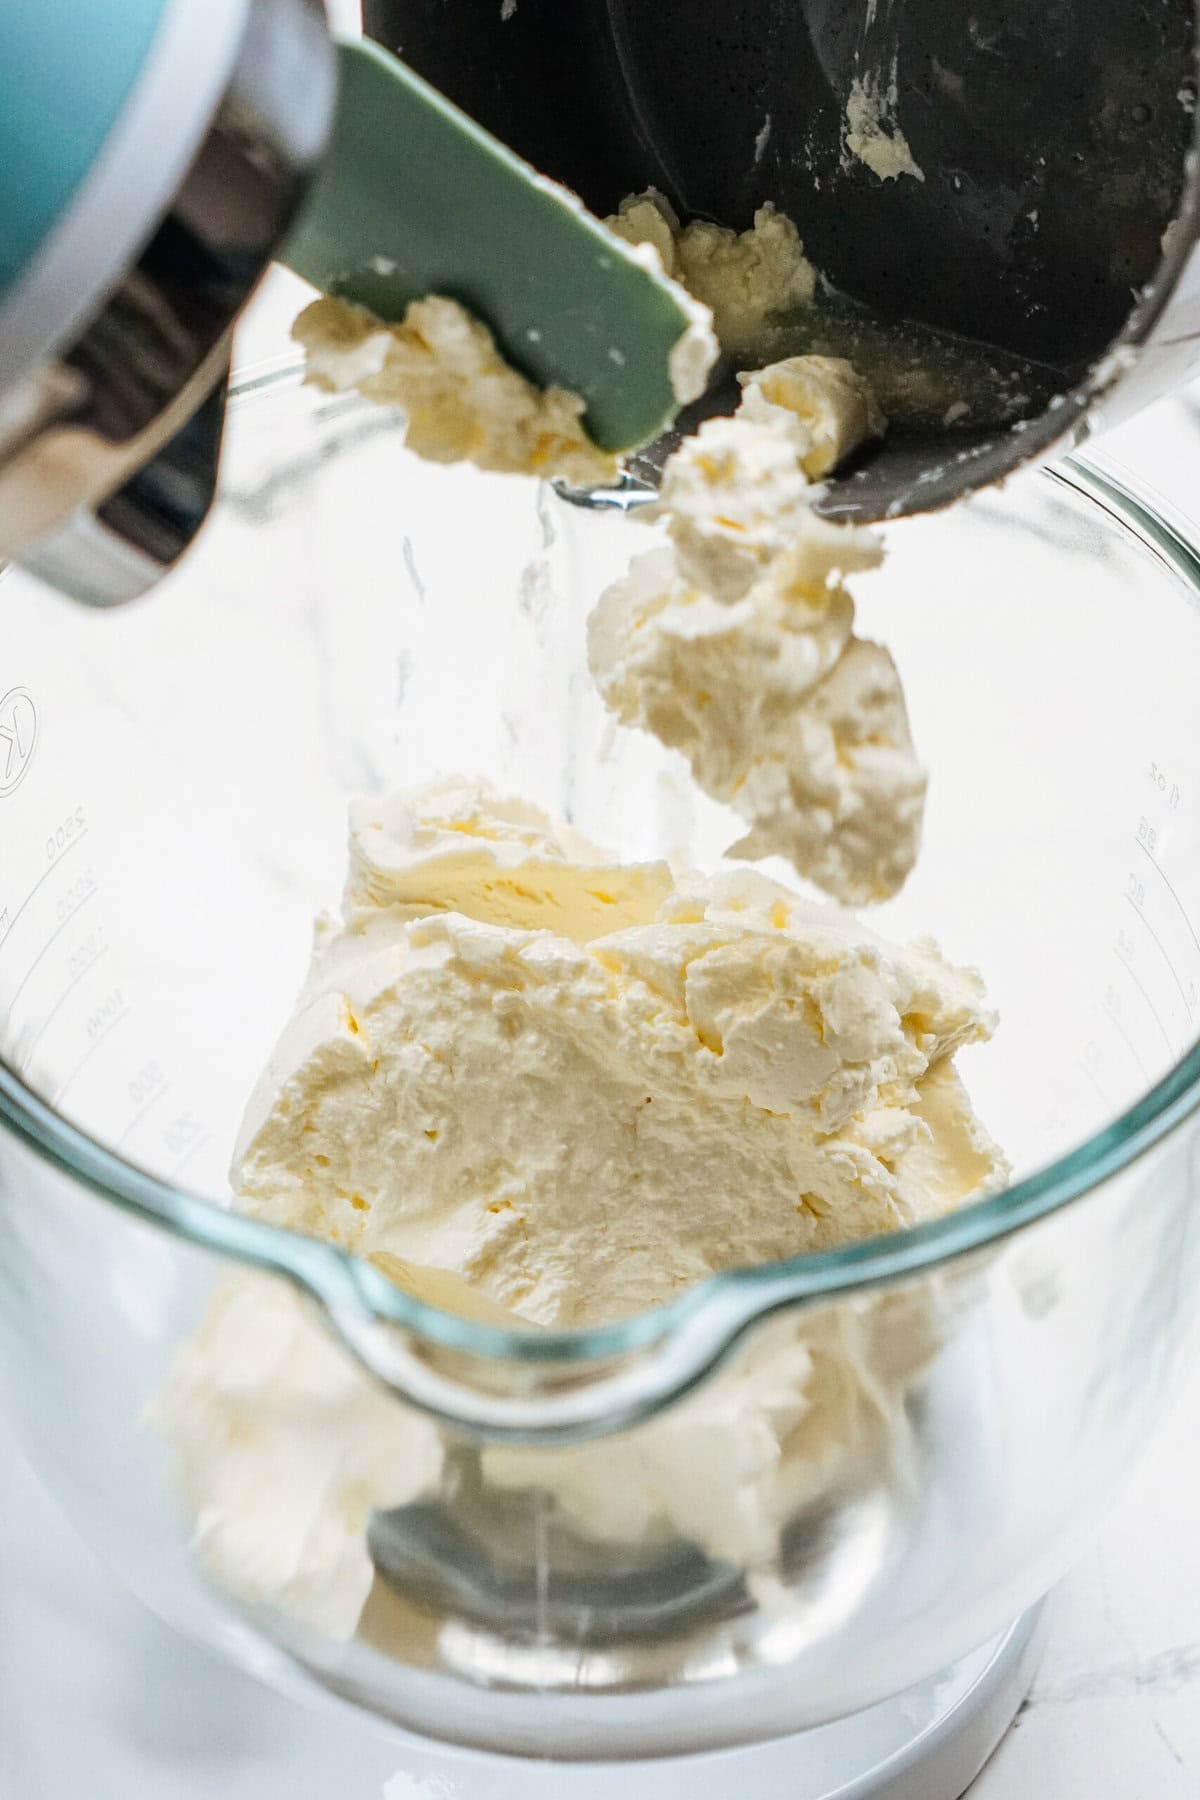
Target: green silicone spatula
413, 198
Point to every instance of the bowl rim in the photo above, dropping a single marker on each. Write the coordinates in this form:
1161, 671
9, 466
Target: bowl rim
690, 1334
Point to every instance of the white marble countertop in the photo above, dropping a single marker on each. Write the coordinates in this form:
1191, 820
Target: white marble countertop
1114, 1713
1115, 1710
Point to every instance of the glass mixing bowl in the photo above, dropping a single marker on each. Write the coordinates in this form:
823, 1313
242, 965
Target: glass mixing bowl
173, 783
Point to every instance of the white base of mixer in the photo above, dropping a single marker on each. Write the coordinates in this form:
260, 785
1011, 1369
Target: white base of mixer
97, 1696
927, 1744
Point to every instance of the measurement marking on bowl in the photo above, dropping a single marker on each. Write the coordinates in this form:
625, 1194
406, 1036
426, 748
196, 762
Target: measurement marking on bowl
1107, 1103
197, 1144
1155, 864
138, 1116
1129, 1043
1129, 970
1165, 954
100, 1037
44, 876
54, 935
87, 967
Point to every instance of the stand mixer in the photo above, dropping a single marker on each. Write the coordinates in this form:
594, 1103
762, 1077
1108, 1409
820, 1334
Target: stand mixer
872, 1584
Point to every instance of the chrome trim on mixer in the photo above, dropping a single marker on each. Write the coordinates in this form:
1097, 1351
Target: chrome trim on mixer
108, 456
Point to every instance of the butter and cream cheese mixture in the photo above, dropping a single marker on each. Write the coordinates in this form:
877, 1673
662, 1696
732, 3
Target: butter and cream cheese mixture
541, 1087
463, 401
735, 643
584, 1086
533, 1083
873, 133
284, 1446
735, 646
745, 278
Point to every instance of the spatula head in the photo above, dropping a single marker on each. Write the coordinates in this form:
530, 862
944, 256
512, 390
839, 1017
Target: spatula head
413, 198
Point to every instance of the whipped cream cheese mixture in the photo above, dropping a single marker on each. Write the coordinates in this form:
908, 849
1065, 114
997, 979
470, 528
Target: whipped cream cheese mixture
534, 1084
586, 1086
540, 1087
284, 1446
463, 402
873, 133
744, 278
735, 645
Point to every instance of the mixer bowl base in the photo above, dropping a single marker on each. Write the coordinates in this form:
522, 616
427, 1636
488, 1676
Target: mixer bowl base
141, 1704
926, 1744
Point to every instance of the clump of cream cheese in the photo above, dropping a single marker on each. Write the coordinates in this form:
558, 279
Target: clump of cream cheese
735, 644
582, 1084
585, 1086
536, 1085
463, 402
745, 278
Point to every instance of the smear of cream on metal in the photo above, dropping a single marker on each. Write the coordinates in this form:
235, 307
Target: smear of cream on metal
872, 132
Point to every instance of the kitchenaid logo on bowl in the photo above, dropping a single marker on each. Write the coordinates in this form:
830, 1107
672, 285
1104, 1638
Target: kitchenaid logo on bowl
18, 736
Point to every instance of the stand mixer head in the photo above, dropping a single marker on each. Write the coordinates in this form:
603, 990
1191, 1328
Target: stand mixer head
154, 154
